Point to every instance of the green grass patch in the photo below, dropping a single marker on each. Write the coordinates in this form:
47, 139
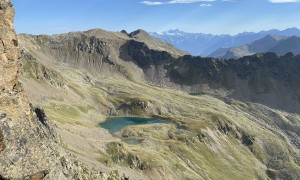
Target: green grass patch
77, 90
85, 109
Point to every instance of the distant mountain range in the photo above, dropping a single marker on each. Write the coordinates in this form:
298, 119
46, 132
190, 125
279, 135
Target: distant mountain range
206, 44
271, 43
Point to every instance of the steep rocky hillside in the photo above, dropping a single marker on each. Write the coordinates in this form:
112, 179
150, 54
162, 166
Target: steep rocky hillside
203, 133
264, 78
95, 50
225, 119
23, 141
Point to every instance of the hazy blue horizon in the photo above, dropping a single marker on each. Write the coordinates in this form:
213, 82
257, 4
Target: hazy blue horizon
201, 16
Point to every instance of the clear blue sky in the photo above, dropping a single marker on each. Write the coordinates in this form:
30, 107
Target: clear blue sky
210, 16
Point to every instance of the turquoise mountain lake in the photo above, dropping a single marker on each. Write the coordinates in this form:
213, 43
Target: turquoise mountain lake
115, 124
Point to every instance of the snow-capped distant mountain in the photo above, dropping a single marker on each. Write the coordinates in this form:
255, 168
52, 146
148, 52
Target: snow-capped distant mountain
205, 44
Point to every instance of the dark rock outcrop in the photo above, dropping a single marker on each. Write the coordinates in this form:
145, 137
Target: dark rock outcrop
265, 78
139, 53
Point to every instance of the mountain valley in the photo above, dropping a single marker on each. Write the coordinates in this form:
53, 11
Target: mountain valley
222, 119
82, 78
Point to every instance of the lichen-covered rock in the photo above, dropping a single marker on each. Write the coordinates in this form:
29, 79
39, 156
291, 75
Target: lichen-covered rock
22, 149
9, 64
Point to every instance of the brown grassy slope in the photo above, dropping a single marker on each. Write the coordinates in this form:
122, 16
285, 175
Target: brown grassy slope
207, 137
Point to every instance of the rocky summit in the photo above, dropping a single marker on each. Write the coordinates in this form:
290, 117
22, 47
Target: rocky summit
210, 118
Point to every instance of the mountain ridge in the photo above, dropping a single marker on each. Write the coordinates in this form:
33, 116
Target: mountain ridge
280, 45
205, 44
135, 60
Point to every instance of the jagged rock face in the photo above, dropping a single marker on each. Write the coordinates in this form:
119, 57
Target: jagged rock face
8, 47
22, 148
139, 53
264, 78
78, 51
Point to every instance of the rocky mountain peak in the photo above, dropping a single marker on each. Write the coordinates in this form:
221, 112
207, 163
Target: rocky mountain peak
124, 32
139, 32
